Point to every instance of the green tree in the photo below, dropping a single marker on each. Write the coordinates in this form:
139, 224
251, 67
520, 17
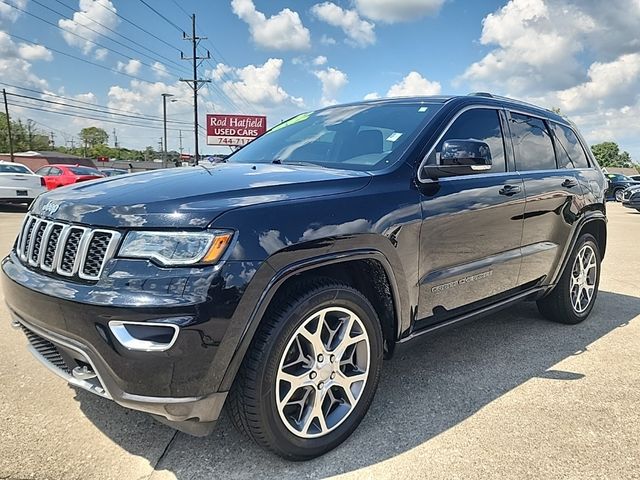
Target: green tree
93, 136
608, 155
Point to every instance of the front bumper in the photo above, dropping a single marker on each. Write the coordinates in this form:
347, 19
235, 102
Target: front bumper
179, 386
71, 361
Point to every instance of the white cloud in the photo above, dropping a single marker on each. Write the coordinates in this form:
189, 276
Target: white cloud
359, 32
326, 40
372, 96
9, 13
34, 52
100, 53
102, 11
15, 66
580, 55
392, 11
283, 31
320, 60
333, 80
255, 84
132, 67
160, 70
414, 84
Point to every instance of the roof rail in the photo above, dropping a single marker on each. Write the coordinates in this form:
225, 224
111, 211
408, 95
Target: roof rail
509, 99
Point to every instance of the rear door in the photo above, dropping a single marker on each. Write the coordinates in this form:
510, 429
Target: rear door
472, 225
554, 197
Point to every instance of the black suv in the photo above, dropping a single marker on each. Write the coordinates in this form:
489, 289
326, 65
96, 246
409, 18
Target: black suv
618, 183
276, 283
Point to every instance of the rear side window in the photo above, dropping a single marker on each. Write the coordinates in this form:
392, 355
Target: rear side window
478, 124
568, 148
532, 143
44, 171
84, 171
5, 168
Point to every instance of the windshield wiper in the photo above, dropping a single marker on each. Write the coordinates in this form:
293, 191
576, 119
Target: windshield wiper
279, 161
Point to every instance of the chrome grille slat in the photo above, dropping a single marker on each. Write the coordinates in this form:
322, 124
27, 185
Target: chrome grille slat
66, 250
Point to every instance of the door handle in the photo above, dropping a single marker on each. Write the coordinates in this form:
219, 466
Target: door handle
569, 182
509, 190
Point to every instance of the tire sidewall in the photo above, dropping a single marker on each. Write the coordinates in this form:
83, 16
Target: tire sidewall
282, 439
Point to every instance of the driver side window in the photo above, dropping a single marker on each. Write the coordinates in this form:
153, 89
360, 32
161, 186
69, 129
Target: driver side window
477, 124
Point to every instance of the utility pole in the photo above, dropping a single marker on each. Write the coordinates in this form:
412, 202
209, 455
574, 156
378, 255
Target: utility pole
6, 109
53, 140
164, 113
30, 133
180, 137
195, 83
115, 143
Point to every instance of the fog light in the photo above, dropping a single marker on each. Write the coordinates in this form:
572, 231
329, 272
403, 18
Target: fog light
145, 336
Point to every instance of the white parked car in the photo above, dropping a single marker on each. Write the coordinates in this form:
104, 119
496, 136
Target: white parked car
18, 184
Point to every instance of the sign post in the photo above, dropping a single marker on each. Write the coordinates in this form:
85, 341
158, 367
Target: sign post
234, 130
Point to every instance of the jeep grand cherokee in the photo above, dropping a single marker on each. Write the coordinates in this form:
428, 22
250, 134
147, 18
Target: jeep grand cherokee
276, 283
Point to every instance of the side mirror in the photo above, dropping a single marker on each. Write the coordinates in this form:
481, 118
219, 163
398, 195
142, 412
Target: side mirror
466, 153
461, 157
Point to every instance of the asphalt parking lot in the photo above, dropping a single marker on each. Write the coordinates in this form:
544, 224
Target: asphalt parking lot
509, 396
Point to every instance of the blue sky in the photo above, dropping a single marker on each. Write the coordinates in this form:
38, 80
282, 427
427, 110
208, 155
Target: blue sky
279, 58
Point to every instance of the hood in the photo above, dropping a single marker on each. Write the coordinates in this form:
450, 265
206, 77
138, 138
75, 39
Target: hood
190, 196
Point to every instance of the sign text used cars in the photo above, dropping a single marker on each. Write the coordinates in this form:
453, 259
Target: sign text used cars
234, 130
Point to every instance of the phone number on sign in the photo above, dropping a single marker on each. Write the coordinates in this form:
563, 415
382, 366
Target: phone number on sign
232, 141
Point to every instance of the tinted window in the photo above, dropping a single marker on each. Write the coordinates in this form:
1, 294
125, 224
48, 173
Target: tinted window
355, 137
84, 171
55, 171
44, 171
532, 143
478, 124
568, 148
5, 168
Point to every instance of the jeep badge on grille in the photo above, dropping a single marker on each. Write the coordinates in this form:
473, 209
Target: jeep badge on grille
50, 208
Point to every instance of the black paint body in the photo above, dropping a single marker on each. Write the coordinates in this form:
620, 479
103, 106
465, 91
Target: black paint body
289, 219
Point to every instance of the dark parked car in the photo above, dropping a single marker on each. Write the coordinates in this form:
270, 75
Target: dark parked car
277, 282
617, 185
631, 197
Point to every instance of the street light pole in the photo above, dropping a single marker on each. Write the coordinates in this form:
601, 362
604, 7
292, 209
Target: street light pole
164, 112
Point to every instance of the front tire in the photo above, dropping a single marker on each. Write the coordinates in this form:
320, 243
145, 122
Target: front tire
311, 371
572, 299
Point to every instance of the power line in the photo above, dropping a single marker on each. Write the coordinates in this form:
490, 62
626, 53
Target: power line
162, 16
97, 2
100, 45
104, 67
77, 115
136, 117
181, 8
112, 109
157, 56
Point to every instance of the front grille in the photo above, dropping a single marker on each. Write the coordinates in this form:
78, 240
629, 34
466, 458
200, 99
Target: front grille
47, 349
67, 250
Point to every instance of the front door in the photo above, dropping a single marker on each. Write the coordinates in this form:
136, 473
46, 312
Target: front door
472, 226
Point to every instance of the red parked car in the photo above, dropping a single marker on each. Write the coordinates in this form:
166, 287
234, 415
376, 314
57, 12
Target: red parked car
59, 175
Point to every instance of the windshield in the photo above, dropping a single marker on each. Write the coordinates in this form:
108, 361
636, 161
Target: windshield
618, 177
4, 168
84, 171
355, 137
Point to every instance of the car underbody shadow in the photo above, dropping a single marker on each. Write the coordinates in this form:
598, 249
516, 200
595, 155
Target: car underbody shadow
423, 392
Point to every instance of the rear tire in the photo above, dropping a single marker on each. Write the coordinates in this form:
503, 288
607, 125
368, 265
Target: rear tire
618, 194
573, 297
290, 396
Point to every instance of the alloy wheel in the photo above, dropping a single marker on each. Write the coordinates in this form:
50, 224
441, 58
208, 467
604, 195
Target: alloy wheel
322, 372
583, 278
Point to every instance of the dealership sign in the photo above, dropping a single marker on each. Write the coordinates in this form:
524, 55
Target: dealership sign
234, 130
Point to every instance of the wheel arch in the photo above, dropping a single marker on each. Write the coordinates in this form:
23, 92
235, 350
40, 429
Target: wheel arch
353, 267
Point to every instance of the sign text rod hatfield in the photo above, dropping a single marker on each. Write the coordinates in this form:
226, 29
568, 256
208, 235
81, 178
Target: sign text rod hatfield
234, 130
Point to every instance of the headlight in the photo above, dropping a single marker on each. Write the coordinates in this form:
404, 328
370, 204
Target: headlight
176, 248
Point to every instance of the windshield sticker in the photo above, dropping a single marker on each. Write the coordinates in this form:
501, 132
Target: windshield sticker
297, 119
423, 109
394, 136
